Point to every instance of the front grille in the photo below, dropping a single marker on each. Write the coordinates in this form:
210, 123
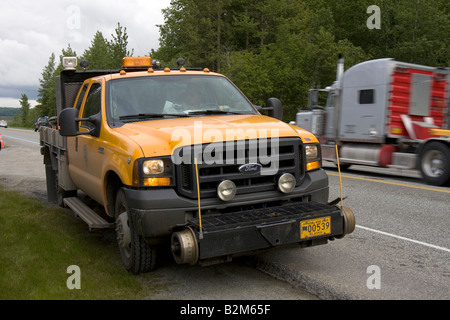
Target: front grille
221, 161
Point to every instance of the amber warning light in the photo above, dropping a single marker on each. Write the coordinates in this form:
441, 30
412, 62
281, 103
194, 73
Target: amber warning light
136, 62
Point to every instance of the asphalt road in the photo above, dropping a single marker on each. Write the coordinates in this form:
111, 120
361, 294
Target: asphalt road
400, 248
21, 166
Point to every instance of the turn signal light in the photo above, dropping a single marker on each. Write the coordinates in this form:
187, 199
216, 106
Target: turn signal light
157, 182
312, 165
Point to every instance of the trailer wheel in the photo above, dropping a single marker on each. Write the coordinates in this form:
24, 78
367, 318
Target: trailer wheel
136, 254
435, 163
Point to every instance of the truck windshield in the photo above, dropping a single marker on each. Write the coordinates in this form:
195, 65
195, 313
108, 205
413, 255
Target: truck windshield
156, 97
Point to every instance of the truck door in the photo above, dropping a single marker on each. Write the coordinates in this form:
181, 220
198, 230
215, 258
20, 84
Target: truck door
86, 156
364, 97
362, 114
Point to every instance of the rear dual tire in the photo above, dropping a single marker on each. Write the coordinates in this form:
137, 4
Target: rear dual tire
435, 163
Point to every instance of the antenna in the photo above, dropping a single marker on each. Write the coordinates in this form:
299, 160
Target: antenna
200, 236
340, 176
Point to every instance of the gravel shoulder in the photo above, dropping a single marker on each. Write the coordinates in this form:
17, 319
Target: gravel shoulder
21, 169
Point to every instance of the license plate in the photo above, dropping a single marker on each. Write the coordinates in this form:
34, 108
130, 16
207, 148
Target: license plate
315, 227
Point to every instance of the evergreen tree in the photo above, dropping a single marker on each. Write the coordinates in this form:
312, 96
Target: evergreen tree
411, 30
98, 54
46, 91
108, 54
25, 109
118, 47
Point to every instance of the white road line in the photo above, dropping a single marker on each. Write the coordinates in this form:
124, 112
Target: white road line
9, 137
403, 238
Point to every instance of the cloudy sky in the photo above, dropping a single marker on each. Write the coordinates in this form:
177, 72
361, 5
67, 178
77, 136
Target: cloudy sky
30, 31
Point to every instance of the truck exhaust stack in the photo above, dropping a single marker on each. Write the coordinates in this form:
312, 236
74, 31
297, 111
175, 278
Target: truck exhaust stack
340, 70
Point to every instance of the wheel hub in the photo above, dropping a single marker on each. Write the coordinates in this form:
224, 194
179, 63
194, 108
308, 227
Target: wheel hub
123, 231
185, 247
433, 163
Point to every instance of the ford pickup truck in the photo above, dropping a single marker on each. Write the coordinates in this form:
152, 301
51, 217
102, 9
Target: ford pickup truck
181, 157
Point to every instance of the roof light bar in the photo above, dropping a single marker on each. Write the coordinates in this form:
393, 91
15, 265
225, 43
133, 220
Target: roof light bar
137, 62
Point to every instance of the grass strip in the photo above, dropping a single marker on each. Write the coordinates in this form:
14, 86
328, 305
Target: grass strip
40, 241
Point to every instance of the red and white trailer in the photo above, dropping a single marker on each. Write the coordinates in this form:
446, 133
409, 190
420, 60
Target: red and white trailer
385, 113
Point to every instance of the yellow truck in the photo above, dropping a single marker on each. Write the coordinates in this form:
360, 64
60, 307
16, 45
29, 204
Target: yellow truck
182, 157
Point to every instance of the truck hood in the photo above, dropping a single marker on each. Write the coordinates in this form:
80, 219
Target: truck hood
161, 137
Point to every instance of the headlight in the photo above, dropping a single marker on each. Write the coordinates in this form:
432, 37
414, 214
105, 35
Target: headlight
150, 167
226, 190
153, 172
312, 153
313, 157
286, 183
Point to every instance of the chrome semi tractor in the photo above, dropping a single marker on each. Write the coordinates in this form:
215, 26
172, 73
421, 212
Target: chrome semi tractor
384, 113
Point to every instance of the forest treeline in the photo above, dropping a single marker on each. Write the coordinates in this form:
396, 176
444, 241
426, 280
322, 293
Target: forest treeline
283, 48
280, 48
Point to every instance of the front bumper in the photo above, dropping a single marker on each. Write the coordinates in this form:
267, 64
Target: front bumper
156, 213
251, 223
244, 232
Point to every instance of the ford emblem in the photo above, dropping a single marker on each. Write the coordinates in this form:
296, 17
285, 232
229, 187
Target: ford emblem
250, 168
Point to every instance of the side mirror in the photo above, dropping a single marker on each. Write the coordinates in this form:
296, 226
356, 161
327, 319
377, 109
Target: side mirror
275, 108
69, 123
259, 108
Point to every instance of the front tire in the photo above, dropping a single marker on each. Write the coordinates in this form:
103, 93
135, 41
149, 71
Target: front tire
136, 254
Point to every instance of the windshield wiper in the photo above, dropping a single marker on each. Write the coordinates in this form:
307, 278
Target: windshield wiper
141, 116
213, 112
176, 115
144, 116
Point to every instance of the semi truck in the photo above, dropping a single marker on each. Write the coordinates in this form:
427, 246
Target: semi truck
384, 113
179, 159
